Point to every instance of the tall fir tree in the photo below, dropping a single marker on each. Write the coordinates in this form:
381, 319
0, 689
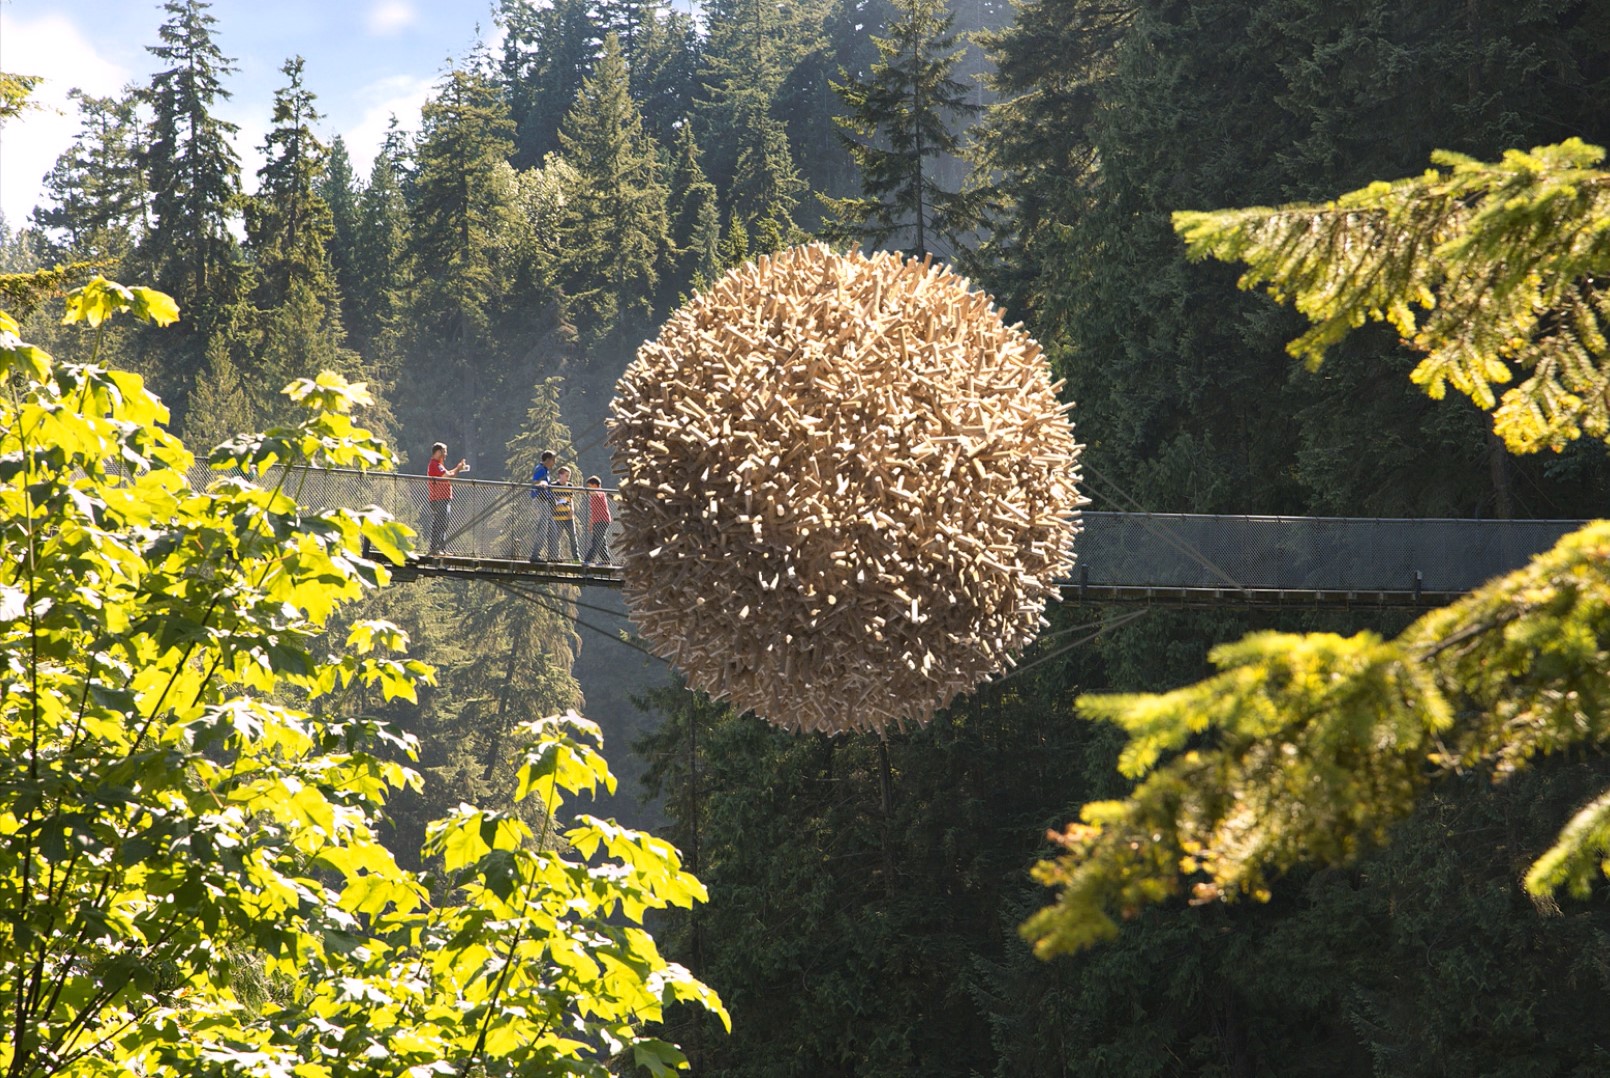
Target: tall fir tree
295, 324
615, 233
548, 51
193, 174
766, 185
289, 225
695, 219
1034, 141
904, 117
811, 107
750, 48
339, 188
463, 202
374, 300
96, 190
664, 72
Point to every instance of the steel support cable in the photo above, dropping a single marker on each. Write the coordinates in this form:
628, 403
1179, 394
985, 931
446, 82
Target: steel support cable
1043, 637
1163, 532
537, 600
1106, 627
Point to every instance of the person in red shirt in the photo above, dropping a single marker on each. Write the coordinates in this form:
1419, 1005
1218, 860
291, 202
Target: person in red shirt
439, 489
599, 517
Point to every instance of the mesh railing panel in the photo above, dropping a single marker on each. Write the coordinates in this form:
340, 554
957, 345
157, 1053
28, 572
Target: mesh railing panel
1306, 553
489, 519
500, 520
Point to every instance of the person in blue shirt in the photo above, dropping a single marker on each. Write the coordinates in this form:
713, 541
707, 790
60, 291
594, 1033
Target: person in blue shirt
546, 542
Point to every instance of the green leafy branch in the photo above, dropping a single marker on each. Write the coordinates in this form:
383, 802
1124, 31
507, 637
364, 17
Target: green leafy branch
1494, 270
1307, 749
174, 830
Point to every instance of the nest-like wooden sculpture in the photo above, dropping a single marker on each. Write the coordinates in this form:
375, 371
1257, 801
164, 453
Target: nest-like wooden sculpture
848, 489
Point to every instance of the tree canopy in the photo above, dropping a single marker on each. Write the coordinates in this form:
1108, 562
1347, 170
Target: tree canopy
190, 878
1308, 748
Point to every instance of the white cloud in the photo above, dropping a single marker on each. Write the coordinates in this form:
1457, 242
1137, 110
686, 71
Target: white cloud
389, 17
52, 47
399, 95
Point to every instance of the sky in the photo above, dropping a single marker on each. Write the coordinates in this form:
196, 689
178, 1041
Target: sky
365, 59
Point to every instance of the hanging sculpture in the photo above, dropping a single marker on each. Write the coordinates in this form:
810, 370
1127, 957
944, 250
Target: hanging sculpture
848, 489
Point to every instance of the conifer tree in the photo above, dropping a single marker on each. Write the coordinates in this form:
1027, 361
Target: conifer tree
734, 242
193, 174
615, 234
903, 119
296, 327
766, 186
222, 404
664, 72
547, 52
695, 219
339, 188
1053, 65
750, 48
379, 263
96, 188
629, 21
463, 202
289, 225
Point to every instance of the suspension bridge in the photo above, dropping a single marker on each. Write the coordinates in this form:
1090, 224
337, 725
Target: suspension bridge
497, 531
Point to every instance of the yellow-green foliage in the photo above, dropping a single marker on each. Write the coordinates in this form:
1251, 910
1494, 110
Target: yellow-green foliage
1494, 271
1304, 748
190, 879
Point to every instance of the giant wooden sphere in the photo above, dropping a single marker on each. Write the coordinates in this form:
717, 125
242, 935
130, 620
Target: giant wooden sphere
848, 490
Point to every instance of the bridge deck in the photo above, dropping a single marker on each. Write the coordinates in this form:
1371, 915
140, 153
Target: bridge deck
496, 528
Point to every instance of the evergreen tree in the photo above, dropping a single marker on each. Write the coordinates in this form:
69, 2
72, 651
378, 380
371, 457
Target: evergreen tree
19, 253
812, 107
902, 116
629, 21
96, 189
664, 72
193, 174
1128, 114
222, 404
296, 329
766, 187
695, 220
289, 225
750, 48
547, 52
615, 234
340, 190
379, 262
1053, 67
858, 889
463, 203
735, 242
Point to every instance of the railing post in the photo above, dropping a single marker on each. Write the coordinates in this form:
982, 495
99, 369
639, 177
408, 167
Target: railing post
1417, 582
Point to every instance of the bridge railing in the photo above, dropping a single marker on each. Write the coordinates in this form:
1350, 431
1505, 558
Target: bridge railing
489, 520
1119, 555
1306, 554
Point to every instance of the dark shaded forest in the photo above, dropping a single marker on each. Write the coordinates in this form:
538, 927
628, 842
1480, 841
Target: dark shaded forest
491, 275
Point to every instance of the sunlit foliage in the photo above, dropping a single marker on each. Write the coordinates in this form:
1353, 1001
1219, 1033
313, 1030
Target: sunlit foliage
190, 880
1308, 748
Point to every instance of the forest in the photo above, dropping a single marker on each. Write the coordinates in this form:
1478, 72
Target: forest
490, 276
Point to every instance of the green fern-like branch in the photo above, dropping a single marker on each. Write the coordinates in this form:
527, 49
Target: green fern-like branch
1495, 271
